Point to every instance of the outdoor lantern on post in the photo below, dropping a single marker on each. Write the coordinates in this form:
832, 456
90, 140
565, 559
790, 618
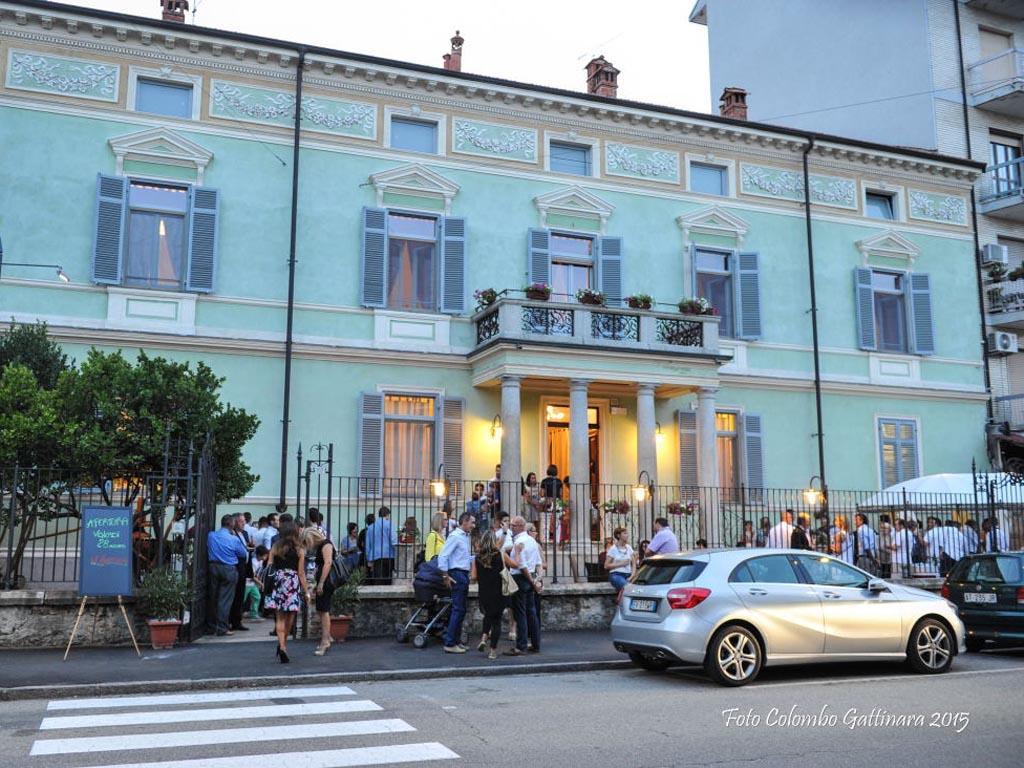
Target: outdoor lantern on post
440, 485
641, 492
814, 496
496, 427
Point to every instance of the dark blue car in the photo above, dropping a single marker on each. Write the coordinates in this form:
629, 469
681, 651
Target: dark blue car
988, 591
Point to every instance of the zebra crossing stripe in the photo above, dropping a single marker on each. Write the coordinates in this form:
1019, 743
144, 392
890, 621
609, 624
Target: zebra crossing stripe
334, 758
220, 736
199, 698
209, 715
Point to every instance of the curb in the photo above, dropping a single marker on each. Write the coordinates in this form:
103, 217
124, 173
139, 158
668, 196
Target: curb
23, 693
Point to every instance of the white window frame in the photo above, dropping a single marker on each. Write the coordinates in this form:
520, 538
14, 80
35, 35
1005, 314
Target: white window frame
731, 255
128, 208
414, 112
908, 319
897, 192
167, 75
876, 436
720, 162
438, 247
577, 261
739, 445
426, 392
571, 137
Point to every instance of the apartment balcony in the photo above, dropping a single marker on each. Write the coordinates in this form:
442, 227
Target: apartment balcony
1009, 409
1012, 9
1004, 305
1001, 190
996, 84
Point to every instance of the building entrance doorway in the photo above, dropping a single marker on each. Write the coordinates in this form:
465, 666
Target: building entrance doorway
556, 418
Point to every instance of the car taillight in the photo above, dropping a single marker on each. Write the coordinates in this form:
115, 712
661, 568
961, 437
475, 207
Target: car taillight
687, 597
1020, 595
945, 591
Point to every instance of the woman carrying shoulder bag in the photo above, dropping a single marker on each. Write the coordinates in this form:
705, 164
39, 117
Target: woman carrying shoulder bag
435, 539
488, 565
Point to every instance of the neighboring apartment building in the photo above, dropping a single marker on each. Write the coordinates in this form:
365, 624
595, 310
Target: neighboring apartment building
152, 159
894, 74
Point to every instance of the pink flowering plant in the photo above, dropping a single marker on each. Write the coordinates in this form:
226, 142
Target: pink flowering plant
538, 291
616, 506
679, 508
485, 297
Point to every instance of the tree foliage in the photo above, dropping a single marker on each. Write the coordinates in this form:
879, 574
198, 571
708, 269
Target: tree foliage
32, 347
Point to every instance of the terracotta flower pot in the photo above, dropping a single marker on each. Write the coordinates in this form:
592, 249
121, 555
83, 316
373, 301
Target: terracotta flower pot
340, 626
592, 300
163, 632
537, 295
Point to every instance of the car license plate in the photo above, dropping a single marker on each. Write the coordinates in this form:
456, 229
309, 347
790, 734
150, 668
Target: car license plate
979, 597
648, 606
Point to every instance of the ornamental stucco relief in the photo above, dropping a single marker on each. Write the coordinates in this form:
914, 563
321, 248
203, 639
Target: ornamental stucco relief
777, 182
948, 209
265, 106
476, 138
66, 77
638, 162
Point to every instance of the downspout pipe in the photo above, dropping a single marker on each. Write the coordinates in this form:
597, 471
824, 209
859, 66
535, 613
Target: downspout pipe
814, 321
287, 390
974, 210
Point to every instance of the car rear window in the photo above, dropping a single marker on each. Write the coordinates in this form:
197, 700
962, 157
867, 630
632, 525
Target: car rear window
1004, 569
668, 572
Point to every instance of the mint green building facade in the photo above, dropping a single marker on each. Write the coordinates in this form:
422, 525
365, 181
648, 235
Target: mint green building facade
174, 230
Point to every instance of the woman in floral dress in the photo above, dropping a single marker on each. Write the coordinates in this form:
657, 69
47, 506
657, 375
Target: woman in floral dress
288, 563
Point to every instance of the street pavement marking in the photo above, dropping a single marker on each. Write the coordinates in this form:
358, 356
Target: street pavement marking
200, 698
221, 736
334, 758
223, 713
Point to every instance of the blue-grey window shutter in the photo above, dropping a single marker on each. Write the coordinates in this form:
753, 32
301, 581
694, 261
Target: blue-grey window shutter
687, 447
908, 453
451, 414
753, 448
453, 265
111, 202
609, 250
920, 303
691, 257
202, 239
371, 442
373, 269
864, 302
540, 256
747, 285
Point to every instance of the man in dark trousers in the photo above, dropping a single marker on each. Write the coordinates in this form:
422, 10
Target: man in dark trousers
223, 551
801, 537
243, 565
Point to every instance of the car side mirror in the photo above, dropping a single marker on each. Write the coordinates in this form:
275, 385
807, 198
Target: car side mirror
877, 585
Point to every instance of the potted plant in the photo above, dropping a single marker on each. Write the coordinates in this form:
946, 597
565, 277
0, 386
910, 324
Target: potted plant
161, 596
699, 306
678, 508
590, 296
1016, 273
538, 291
640, 301
616, 506
343, 605
409, 534
997, 273
485, 297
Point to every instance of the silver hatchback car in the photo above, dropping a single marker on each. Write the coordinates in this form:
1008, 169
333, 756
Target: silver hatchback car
738, 610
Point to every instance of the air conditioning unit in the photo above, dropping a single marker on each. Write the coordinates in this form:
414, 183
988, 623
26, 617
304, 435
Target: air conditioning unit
1002, 343
995, 254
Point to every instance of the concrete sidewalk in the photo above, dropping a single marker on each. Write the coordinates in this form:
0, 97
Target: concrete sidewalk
248, 660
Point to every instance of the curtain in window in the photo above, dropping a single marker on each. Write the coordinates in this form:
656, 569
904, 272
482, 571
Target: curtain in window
408, 449
411, 275
155, 245
727, 470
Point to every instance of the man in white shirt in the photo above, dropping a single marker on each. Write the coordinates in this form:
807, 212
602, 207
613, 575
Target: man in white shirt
526, 556
620, 560
994, 539
781, 534
902, 547
456, 562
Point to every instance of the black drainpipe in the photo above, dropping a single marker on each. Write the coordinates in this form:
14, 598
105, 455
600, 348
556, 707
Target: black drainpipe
287, 393
814, 322
974, 213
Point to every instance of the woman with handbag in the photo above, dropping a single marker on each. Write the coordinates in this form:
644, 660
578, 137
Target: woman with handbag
323, 552
288, 561
488, 565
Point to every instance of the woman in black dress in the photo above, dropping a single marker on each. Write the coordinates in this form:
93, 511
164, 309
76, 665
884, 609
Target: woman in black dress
488, 564
322, 550
288, 560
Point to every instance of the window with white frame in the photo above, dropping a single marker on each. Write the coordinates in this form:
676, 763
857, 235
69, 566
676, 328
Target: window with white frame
572, 264
159, 97
709, 179
727, 441
409, 424
565, 157
714, 283
412, 262
898, 452
414, 135
880, 205
890, 311
156, 236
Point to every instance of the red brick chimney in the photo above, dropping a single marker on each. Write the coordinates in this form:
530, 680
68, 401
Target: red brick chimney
602, 78
733, 103
174, 10
453, 60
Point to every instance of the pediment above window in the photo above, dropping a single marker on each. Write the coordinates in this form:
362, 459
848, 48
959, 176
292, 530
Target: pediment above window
889, 245
575, 202
416, 181
713, 221
162, 146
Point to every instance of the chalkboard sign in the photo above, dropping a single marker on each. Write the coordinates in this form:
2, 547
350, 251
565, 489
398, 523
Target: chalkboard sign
105, 564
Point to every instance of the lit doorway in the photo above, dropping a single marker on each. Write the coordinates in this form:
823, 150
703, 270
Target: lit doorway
556, 418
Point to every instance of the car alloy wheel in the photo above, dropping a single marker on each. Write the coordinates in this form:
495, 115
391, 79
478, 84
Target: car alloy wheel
931, 647
734, 656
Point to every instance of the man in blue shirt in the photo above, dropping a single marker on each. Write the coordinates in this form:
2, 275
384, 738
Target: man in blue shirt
223, 551
455, 562
381, 539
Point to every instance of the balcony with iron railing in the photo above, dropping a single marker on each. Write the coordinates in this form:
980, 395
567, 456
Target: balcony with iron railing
996, 83
1001, 190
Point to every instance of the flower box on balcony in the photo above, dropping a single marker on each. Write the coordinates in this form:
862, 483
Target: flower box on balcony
699, 306
589, 296
485, 297
538, 292
639, 301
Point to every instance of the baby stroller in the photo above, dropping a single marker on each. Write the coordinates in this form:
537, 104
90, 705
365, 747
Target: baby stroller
435, 603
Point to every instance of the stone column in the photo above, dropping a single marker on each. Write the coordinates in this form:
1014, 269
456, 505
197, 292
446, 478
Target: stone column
646, 456
511, 448
579, 466
707, 460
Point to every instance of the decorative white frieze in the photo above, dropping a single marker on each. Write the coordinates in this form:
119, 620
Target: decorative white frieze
261, 105
472, 137
947, 209
789, 185
83, 79
641, 163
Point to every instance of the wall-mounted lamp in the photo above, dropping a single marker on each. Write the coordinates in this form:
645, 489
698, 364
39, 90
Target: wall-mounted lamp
814, 496
440, 485
641, 492
659, 436
496, 427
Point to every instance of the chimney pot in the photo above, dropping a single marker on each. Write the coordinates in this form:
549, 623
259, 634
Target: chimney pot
733, 103
174, 10
602, 78
453, 60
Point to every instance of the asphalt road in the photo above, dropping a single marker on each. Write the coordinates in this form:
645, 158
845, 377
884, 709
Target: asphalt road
969, 717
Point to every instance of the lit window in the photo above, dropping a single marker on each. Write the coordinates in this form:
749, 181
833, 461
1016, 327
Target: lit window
897, 442
412, 262
878, 205
156, 236
726, 442
569, 158
414, 135
709, 179
408, 437
159, 98
714, 283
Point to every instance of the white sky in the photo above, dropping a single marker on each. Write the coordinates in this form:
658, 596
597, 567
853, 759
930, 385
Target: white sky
663, 57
